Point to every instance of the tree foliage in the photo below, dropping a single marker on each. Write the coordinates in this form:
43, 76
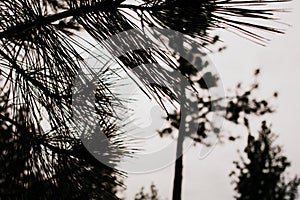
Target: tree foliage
261, 172
33, 166
40, 47
152, 195
240, 107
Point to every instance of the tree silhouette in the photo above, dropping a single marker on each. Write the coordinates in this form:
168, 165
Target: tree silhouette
142, 195
261, 174
240, 107
34, 167
40, 47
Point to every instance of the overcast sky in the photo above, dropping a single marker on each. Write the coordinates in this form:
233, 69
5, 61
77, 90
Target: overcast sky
279, 63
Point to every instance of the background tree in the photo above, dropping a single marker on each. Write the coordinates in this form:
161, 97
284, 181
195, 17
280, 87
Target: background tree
260, 174
240, 107
142, 195
40, 58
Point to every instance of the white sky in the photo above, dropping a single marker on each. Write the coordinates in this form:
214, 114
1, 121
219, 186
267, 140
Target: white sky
208, 178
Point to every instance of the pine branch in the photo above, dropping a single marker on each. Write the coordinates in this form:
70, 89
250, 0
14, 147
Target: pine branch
46, 20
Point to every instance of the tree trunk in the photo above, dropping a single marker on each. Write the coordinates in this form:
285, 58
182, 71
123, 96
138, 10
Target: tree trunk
177, 185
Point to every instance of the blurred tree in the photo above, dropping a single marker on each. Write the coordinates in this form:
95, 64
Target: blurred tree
40, 58
238, 110
261, 175
142, 195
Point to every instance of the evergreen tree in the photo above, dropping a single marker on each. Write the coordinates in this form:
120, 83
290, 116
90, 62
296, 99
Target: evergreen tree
261, 172
40, 45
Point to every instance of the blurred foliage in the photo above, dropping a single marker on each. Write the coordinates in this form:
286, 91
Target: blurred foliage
240, 107
152, 195
261, 172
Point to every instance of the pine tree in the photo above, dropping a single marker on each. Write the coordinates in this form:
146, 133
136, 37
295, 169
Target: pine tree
40, 45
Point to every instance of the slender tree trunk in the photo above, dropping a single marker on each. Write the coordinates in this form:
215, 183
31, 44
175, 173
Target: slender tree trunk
177, 185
